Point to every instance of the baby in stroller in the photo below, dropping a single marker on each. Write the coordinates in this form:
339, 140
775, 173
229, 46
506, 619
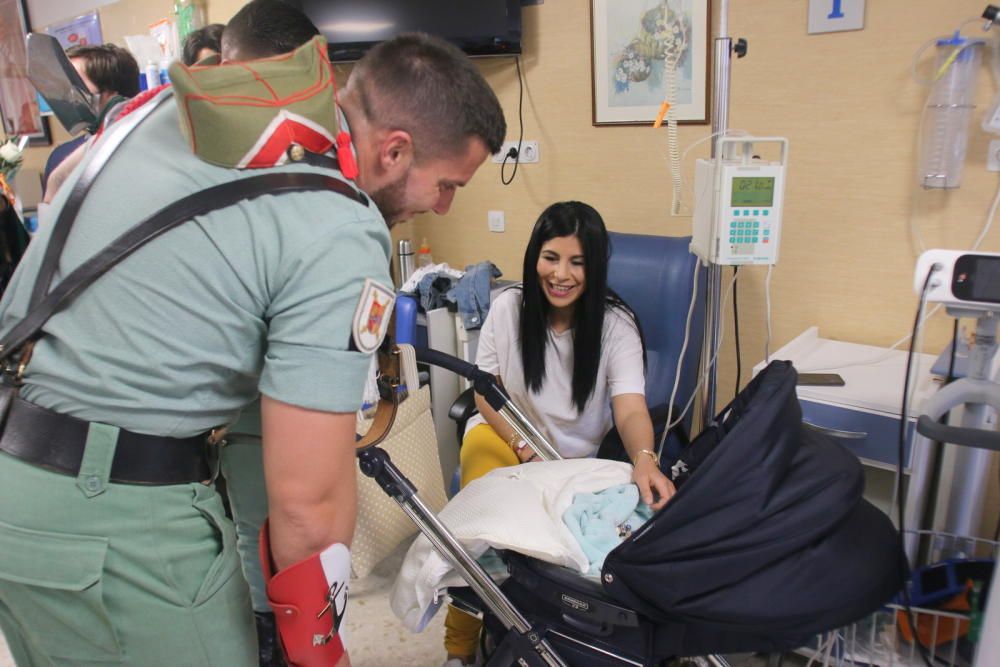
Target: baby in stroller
573, 355
766, 543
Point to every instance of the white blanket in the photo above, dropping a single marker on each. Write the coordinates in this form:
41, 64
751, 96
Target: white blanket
518, 508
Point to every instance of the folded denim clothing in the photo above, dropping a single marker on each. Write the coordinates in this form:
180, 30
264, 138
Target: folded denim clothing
472, 293
410, 286
433, 289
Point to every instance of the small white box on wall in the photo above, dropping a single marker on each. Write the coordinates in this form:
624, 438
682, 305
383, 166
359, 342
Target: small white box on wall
836, 15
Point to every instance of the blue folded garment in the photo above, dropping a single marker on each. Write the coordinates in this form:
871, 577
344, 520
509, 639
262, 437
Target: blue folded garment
472, 293
601, 521
434, 289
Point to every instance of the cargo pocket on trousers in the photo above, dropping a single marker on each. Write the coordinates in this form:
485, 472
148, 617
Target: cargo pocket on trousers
227, 563
53, 584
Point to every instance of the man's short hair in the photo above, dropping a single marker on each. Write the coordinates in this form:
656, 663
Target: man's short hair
111, 68
209, 37
265, 28
429, 88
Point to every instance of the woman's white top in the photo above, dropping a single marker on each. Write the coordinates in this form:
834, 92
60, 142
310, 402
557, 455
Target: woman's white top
551, 410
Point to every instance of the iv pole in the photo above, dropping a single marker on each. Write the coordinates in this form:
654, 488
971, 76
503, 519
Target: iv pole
721, 65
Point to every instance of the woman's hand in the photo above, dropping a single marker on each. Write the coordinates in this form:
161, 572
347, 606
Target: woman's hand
524, 452
653, 484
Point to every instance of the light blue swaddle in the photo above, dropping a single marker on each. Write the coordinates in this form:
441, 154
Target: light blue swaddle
601, 521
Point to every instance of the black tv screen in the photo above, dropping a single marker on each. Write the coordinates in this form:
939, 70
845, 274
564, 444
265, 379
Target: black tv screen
478, 27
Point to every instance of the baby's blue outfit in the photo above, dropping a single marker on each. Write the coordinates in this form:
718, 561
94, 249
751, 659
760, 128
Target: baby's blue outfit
601, 521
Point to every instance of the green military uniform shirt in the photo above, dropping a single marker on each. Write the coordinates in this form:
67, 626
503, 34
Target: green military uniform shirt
180, 336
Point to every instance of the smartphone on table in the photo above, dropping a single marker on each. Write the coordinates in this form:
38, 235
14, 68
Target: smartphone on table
820, 380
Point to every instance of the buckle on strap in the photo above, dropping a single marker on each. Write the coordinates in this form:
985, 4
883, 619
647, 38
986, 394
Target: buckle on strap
331, 607
214, 442
13, 368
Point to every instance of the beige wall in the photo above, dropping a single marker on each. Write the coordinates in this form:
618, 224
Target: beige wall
846, 101
850, 108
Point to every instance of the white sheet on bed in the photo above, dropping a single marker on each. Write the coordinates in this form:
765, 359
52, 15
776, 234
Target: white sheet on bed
519, 508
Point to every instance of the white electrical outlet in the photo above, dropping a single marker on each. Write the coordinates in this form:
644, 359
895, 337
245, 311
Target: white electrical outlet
495, 221
993, 156
529, 152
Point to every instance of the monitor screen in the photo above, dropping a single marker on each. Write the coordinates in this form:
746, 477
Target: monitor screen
478, 27
753, 191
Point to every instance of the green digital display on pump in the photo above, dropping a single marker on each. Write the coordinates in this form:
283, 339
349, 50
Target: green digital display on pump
753, 191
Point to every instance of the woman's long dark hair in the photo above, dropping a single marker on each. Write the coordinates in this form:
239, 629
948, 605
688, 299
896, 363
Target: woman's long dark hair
577, 219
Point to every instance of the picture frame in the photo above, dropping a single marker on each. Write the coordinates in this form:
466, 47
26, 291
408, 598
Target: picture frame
630, 40
19, 109
78, 31
44, 137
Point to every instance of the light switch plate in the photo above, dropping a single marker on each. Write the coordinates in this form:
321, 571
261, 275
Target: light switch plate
495, 221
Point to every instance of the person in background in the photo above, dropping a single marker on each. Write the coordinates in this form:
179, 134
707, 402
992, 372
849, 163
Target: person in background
107, 511
111, 74
202, 45
569, 351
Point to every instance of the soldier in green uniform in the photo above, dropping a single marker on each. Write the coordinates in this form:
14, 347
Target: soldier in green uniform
110, 562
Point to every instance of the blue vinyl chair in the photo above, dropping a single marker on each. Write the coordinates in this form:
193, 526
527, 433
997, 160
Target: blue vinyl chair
655, 276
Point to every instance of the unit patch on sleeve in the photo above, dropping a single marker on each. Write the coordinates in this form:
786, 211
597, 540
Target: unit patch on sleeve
371, 317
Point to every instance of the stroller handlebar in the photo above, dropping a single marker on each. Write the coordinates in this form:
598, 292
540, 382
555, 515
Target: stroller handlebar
484, 383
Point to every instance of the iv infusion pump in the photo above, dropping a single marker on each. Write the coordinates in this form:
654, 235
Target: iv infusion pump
738, 203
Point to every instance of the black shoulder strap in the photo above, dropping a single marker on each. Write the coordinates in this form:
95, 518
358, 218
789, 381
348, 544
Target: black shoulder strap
67, 215
199, 203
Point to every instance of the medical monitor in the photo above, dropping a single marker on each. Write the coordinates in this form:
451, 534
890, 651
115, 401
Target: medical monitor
478, 27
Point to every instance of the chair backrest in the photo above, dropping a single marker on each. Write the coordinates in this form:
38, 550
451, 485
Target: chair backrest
655, 276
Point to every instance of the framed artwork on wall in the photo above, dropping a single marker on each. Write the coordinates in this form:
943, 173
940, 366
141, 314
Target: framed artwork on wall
44, 136
18, 100
640, 50
77, 31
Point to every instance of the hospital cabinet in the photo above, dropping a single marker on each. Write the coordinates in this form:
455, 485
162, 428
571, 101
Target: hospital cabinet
863, 414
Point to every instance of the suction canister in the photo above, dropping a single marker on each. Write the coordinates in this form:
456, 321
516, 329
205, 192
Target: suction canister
949, 109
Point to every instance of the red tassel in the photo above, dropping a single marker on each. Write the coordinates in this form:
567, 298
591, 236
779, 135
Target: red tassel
345, 156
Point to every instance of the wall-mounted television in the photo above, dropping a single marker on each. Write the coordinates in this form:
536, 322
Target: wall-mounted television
478, 27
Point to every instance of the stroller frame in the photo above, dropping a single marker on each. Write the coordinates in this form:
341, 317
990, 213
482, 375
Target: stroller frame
522, 643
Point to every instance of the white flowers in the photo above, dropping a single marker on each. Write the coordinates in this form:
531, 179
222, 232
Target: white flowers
9, 152
10, 158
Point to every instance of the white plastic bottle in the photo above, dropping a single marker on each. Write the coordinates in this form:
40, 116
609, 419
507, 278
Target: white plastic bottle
152, 75
424, 254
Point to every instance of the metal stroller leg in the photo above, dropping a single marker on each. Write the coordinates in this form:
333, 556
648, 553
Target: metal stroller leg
526, 642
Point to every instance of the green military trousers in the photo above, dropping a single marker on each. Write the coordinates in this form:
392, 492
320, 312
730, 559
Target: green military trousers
93, 573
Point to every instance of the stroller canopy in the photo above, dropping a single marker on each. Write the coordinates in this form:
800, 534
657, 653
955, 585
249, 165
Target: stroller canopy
768, 542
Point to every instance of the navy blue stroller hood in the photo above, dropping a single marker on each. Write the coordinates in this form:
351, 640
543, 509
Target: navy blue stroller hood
767, 542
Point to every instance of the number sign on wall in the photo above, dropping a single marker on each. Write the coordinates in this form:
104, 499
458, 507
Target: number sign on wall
836, 15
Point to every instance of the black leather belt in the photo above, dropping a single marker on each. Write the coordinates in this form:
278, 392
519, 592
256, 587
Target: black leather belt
57, 442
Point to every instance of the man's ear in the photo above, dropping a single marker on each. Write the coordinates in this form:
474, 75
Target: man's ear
395, 153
